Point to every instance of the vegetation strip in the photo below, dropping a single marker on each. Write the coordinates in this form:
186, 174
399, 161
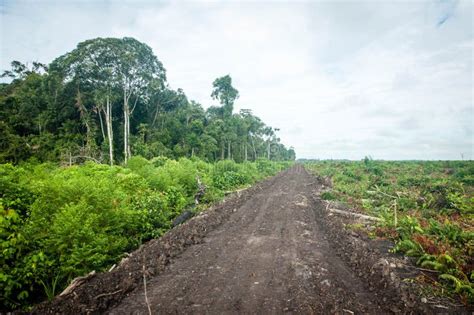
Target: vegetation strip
427, 208
109, 99
155, 255
60, 223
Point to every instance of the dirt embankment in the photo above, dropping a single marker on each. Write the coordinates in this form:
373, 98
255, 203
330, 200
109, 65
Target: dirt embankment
270, 249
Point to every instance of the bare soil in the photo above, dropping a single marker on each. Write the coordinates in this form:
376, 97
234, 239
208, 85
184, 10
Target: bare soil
270, 249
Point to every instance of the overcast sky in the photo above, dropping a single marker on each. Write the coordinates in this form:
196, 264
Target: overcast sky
341, 79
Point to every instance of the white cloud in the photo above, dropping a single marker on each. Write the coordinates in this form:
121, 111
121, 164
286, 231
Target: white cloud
340, 79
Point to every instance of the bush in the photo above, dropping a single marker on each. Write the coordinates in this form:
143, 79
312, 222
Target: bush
60, 223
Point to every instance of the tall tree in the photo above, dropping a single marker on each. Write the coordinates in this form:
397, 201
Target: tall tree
140, 73
91, 66
77, 104
225, 93
112, 65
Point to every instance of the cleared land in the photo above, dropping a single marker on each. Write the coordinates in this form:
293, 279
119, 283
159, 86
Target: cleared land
270, 249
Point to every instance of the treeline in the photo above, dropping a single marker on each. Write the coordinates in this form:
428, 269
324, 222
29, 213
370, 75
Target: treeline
109, 99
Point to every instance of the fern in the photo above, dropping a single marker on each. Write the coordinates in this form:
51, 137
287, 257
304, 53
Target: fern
424, 258
409, 247
456, 283
447, 260
432, 265
466, 289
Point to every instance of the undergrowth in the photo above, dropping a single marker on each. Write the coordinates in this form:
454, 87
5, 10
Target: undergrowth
57, 223
427, 209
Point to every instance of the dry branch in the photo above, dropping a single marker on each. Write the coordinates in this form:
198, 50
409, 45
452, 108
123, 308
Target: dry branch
106, 294
77, 282
144, 287
353, 214
238, 191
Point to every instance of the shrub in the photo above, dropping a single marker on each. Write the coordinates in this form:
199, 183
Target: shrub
59, 223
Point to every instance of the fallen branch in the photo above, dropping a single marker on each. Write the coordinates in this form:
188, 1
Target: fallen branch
77, 282
441, 306
353, 214
106, 294
238, 191
146, 296
421, 269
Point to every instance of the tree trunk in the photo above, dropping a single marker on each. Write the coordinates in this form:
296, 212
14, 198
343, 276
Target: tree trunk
126, 125
245, 152
129, 151
85, 120
130, 113
268, 150
154, 119
125, 132
228, 150
254, 150
110, 133
101, 125
222, 150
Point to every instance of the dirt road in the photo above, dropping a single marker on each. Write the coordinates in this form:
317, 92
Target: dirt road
269, 256
273, 250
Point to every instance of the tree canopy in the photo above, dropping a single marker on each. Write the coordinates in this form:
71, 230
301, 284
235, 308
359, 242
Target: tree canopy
225, 93
108, 99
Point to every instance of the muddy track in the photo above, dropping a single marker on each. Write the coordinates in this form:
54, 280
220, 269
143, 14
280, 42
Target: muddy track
271, 249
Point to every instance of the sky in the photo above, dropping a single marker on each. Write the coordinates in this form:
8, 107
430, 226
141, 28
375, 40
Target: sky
340, 79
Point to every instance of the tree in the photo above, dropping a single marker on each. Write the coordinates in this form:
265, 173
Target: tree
110, 93
20, 70
114, 66
92, 66
255, 129
140, 73
225, 93
246, 124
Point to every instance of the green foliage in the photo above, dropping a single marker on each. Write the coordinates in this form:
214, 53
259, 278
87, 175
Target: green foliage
328, 196
50, 289
461, 287
13, 193
434, 204
407, 226
227, 175
225, 93
449, 231
106, 101
60, 223
75, 109
409, 247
